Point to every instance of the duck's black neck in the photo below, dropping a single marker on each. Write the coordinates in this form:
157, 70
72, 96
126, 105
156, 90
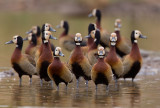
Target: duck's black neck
66, 29
19, 46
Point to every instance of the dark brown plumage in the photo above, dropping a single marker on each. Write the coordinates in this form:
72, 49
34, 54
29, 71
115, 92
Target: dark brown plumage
122, 48
78, 63
32, 47
46, 56
113, 60
133, 61
104, 34
101, 72
58, 71
23, 64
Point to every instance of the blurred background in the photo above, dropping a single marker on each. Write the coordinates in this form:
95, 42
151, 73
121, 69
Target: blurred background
18, 16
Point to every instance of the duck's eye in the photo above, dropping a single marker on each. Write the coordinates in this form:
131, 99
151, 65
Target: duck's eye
46, 33
14, 38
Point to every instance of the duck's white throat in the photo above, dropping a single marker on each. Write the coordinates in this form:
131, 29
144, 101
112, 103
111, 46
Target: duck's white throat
135, 41
45, 41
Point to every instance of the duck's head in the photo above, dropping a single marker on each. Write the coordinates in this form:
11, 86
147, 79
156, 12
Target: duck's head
113, 39
135, 35
95, 34
101, 52
91, 27
95, 13
58, 52
46, 35
31, 38
78, 38
35, 30
47, 27
63, 24
18, 40
117, 23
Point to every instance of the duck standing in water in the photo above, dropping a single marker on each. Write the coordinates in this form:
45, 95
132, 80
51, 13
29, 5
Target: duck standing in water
104, 34
78, 63
46, 56
32, 47
66, 40
35, 30
101, 72
58, 71
122, 48
113, 60
45, 27
92, 51
133, 61
23, 64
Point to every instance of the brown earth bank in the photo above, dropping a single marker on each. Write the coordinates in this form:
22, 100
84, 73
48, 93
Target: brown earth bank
80, 7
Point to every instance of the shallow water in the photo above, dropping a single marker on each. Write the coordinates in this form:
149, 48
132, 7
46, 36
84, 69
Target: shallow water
143, 93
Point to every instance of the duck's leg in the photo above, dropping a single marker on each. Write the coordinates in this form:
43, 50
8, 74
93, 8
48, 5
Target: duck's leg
66, 87
58, 87
41, 82
20, 80
107, 88
86, 83
30, 80
77, 83
52, 83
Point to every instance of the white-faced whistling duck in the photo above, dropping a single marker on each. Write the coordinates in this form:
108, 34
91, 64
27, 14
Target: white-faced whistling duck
101, 72
32, 47
45, 27
113, 60
90, 39
78, 63
66, 40
36, 31
48, 27
23, 64
46, 56
122, 48
58, 71
93, 49
133, 61
104, 34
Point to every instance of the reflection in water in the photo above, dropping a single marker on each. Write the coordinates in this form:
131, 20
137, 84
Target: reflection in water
126, 94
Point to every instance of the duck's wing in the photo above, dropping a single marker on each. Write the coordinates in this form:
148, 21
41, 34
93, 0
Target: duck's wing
28, 65
66, 73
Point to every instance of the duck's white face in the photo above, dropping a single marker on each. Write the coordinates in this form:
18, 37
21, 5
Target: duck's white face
47, 26
113, 39
94, 12
78, 37
118, 23
137, 34
34, 29
30, 36
57, 51
61, 23
101, 51
15, 39
47, 34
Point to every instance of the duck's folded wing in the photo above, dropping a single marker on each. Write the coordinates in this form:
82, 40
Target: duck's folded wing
69, 45
27, 66
66, 74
